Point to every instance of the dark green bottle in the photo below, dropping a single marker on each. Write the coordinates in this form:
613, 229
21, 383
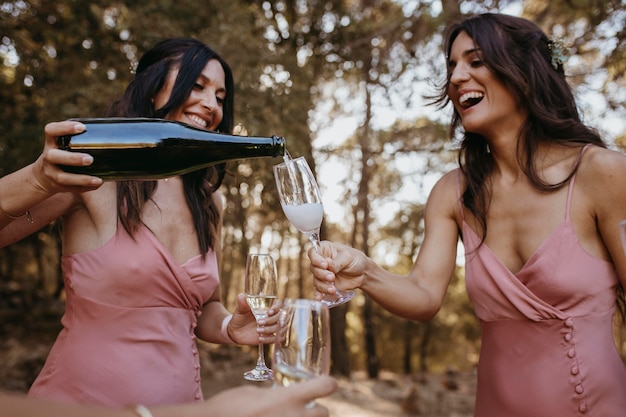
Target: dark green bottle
147, 148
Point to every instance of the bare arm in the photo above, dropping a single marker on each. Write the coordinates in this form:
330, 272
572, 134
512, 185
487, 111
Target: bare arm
39, 216
242, 328
25, 195
245, 401
419, 294
276, 402
601, 177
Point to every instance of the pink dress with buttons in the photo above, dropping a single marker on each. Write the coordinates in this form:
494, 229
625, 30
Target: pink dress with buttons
128, 329
547, 343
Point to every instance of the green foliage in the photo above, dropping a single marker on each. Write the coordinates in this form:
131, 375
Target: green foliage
298, 66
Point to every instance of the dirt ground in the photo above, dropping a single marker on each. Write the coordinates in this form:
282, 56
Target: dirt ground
390, 395
23, 350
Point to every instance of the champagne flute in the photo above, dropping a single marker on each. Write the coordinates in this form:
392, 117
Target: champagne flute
261, 290
301, 201
302, 349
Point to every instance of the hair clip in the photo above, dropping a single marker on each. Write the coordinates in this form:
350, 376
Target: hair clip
557, 52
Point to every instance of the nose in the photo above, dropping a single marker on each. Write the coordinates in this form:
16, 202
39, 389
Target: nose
459, 74
209, 101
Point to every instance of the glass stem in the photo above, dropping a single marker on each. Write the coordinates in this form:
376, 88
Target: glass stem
260, 362
314, 237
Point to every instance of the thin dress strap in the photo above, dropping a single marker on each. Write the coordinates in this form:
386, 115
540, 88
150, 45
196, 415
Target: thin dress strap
571, 182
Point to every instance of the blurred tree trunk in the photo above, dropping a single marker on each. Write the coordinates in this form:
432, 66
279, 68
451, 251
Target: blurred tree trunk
234, 250
340, 351
423, 346
407, 366
362, 223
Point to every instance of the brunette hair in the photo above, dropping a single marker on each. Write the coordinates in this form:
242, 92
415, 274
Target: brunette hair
520, 55
189, 56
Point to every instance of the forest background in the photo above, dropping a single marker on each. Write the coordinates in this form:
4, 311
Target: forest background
344, 82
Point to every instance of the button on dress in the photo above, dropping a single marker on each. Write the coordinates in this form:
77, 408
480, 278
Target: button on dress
547, 343
128, 328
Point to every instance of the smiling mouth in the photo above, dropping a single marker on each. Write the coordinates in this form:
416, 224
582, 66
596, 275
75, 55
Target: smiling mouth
197, 120
470, 99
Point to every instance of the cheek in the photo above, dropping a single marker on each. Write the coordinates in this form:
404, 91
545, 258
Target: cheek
163, 95
219, 116
160, 100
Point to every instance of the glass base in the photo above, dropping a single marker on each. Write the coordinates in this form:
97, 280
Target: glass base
260, 373
340, 297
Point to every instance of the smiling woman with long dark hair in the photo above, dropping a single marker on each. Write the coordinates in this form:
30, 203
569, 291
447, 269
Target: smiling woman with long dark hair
140, 258
537, 202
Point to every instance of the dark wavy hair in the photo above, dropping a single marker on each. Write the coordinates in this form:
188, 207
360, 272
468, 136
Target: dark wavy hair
519, 54
189, 56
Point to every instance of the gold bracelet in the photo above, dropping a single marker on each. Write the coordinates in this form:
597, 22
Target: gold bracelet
140, 410
26, 213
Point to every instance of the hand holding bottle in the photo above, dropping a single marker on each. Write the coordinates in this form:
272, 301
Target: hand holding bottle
23, 190
48, 174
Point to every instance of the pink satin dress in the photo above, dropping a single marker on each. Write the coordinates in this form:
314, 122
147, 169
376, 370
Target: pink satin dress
547, 344
128, 328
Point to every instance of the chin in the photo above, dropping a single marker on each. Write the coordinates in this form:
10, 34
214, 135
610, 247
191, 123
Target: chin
471, 128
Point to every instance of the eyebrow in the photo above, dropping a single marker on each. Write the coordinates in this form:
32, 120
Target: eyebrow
466, 53
471, 51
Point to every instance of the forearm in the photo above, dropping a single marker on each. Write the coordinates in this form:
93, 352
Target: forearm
401, 295
39, 216
33, 184
210, 323
18, 405
19, 193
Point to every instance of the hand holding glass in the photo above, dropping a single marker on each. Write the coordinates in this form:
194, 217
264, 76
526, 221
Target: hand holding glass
302, 349
261, 290
301, 201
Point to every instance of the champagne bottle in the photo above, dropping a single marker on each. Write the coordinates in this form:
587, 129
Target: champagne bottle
148, 148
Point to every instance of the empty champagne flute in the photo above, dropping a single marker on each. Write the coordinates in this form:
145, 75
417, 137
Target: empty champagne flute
261, 290
301, 201
302, 349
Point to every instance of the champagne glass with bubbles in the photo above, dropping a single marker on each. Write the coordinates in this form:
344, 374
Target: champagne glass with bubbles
302, 349
261, 290
301, 201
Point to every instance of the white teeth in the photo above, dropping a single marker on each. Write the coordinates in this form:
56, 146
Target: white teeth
471, 94
197, 120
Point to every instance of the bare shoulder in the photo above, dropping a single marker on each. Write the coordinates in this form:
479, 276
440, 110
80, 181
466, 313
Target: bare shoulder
444, 196
449, 180
603, 158
449, 183
602, 173
601, 164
